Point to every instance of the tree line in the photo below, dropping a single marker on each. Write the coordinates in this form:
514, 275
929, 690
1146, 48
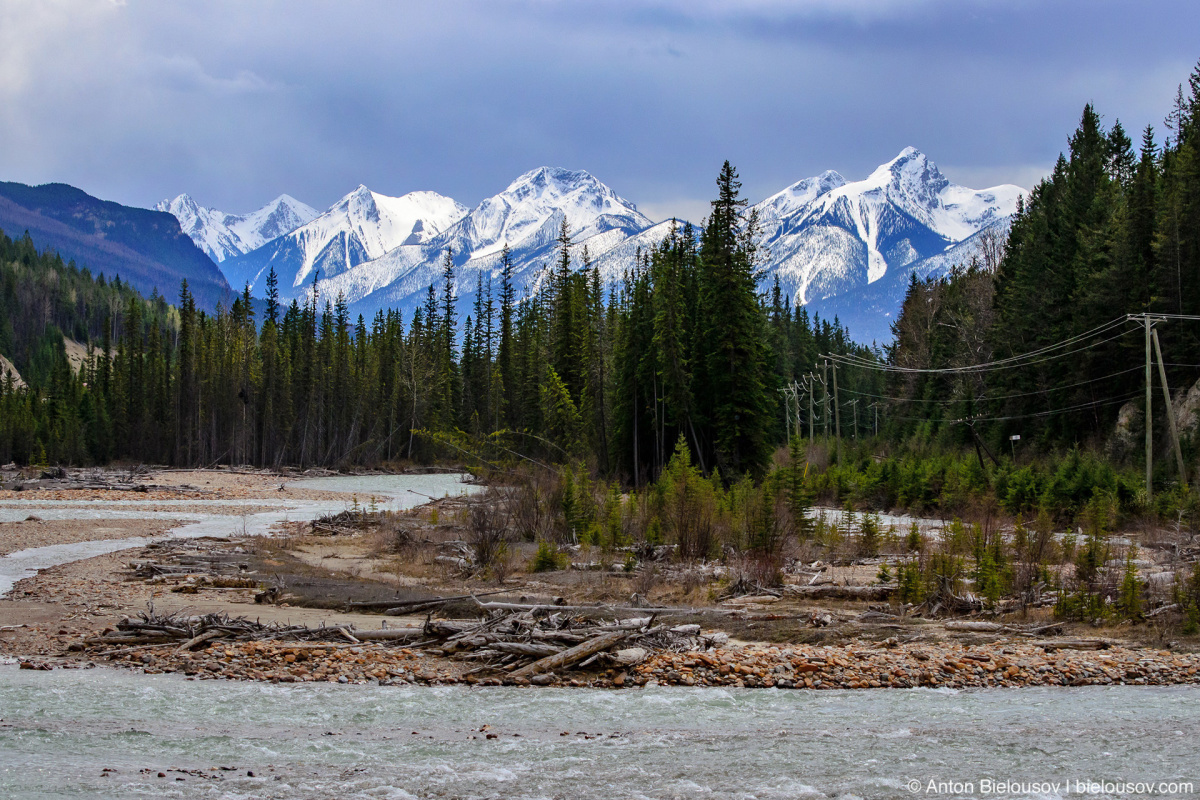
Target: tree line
607, 373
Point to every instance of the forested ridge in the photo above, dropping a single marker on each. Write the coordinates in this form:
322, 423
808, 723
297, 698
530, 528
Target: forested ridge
1113, 231
607, 374
1016, 384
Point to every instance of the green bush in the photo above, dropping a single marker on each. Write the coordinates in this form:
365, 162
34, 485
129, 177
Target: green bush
548, 558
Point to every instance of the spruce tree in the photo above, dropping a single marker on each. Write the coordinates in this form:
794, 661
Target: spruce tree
732, 336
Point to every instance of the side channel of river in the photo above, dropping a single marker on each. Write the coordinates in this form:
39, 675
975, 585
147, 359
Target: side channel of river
204, 518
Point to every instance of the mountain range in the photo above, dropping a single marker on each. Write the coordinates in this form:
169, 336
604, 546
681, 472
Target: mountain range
839, 247
145, 248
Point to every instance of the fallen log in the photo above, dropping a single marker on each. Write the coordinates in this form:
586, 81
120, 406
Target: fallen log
841, 592
125, 640
525, 649
571, 656
1078, 644
201, 639
497, 606
393, 604
390, 635
975, 627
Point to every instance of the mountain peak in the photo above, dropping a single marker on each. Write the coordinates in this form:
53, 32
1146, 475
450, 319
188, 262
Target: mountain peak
182, 203
827, 236
223, 235
554, 180
910, 167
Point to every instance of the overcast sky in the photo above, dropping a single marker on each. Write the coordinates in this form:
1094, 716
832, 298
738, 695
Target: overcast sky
238, 102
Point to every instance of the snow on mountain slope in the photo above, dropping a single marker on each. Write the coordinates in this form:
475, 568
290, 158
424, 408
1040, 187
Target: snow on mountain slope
826, 236
527, 216
357, 229
224, 236
868, 312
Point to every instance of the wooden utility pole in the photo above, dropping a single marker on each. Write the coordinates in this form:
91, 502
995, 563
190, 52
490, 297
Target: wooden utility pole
825, 395
1149, 418
808, 385
1162, 375
837, 416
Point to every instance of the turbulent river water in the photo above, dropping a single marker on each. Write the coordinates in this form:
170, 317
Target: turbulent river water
61, 730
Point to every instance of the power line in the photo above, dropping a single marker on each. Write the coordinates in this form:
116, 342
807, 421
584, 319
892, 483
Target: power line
1004, 396
1094, 403
1025, 359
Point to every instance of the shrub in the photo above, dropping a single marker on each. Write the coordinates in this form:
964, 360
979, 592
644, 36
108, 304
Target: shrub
913, 542
547, 558
908, 588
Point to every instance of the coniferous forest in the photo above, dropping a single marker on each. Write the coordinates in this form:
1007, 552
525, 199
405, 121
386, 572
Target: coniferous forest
610, 373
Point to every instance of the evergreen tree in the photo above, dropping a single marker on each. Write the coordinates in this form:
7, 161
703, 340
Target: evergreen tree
732, 338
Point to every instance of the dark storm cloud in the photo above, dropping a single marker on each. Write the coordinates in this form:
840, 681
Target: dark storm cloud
238, 102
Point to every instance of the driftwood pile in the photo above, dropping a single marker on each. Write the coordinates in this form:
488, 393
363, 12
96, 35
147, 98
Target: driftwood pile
519, 642
528, 641
341, 524
150, 628
98, 480
180, 558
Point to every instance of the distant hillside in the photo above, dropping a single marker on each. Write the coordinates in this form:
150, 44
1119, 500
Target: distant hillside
147, 249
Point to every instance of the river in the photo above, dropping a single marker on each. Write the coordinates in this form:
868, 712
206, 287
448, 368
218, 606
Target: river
60, 730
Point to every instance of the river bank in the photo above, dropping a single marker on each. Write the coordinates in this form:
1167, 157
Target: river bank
785, 642
855, 666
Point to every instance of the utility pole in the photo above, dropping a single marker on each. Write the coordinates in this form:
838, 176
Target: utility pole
837, 416
825, 395
809, 384
1162, 375
854, 430
1149, 417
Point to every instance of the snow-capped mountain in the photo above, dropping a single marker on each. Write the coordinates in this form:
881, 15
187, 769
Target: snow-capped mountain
826, 237
527, 216
359, 228
225, 236
840, 247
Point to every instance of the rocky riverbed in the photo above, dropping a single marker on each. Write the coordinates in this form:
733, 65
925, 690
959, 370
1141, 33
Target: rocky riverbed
860, 666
